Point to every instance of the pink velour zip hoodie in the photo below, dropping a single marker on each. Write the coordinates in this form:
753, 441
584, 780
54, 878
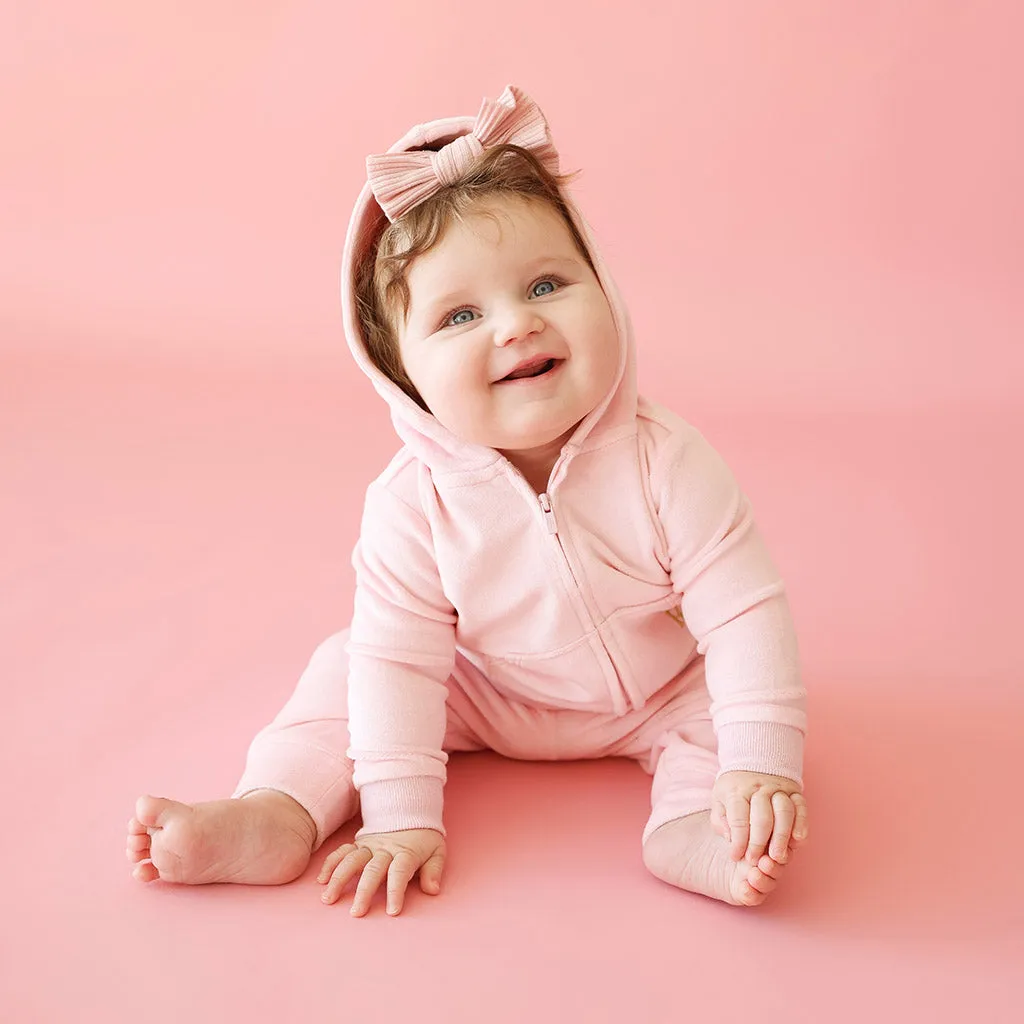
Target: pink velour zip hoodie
641, 556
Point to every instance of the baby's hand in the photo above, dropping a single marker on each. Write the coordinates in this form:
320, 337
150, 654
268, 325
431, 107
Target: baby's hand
395, 855
758, 812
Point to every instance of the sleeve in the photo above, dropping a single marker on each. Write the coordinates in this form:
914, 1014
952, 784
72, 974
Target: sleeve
401, 653
734, 603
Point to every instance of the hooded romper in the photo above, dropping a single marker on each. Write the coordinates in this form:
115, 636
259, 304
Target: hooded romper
631, 610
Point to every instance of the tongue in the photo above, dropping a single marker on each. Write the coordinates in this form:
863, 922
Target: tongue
533, 370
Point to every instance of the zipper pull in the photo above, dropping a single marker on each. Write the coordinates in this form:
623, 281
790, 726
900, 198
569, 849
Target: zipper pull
549, 516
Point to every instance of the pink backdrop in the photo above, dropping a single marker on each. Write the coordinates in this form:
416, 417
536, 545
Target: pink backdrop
807, 204
815, 214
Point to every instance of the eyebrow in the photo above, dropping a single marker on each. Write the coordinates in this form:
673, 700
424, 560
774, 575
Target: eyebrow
443, 301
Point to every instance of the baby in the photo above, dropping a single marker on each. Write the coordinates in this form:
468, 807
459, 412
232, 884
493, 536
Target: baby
552, 567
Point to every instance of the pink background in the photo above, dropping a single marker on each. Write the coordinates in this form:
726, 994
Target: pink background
815, 214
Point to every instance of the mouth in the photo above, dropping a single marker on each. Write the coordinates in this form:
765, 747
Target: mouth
532, 369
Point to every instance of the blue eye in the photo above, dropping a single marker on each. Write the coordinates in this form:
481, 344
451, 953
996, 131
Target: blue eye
454, 318
550, 285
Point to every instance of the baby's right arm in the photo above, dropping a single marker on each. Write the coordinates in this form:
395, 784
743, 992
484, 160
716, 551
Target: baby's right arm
401, 653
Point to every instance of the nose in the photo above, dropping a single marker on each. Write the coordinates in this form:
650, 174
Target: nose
517, 323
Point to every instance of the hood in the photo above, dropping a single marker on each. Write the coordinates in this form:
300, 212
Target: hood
426, 438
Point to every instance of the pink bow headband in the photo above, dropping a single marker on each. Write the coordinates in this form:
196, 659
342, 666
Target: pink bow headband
400, 181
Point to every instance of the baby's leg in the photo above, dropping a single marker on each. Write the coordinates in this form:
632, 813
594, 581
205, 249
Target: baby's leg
295, 791
679, 844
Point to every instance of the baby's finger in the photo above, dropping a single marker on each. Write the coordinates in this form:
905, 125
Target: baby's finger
430, 873
718, 822
403, 867
351, 864
333, 859
785, 815
762, 819
737, 813
800, 825
369, 882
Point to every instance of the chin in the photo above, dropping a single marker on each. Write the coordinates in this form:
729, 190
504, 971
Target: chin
540, 438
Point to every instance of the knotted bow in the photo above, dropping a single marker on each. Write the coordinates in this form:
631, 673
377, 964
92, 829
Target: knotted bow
400, 181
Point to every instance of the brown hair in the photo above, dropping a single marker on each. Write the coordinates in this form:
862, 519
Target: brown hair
382, 292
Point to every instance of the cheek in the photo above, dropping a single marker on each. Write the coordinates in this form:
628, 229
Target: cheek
457, 376
468, 363
600, 328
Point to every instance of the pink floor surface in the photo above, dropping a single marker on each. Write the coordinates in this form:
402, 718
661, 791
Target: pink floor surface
176, 543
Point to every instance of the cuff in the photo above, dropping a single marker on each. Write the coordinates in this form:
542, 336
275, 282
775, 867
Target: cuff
396, 804
767, 747
311, 776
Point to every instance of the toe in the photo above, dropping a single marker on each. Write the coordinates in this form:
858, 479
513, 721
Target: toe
153, 811
137, 855
748, 896
136, 828
760, 882
139, 844
145, 872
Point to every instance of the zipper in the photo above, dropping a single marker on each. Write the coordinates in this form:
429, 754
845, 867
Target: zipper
552, 525
549, 515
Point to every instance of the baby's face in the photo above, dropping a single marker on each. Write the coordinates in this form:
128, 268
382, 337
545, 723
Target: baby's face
505, 287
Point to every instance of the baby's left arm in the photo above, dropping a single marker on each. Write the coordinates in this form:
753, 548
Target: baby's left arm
734, 603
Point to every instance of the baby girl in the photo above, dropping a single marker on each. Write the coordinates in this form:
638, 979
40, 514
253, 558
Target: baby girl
552, 567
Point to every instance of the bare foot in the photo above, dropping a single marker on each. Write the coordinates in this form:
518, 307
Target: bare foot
689, 854
265, 838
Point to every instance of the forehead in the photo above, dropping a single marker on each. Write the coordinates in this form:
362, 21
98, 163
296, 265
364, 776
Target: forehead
497, 230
